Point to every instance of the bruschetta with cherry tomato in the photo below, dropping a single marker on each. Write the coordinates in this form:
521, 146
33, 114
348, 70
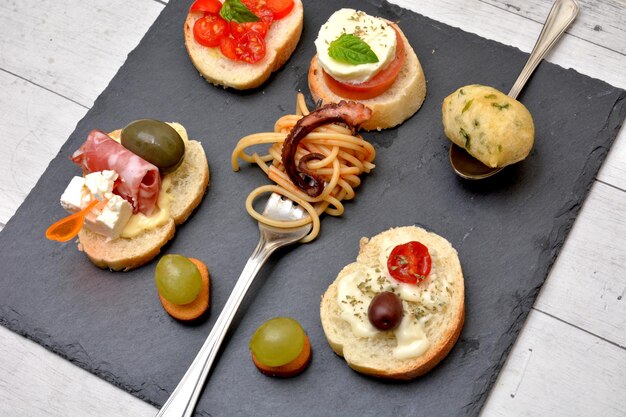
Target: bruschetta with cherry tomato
367, 59
239, 43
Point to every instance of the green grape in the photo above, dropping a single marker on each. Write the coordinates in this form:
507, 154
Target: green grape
278, 341
177, 279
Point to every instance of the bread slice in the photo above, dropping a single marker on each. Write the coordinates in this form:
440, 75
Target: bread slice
281, 41
375, 355
394, 106
188, 185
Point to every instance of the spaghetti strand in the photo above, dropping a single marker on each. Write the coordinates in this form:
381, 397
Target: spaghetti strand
340, 157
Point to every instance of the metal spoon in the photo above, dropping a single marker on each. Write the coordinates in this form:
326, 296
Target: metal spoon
561, 15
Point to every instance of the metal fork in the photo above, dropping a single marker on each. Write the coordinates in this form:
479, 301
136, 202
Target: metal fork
183, 400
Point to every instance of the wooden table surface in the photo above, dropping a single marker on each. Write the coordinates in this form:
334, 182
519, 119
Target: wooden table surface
570, 358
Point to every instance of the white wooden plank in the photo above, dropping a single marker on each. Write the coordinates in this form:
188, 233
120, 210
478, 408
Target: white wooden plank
72, 47
560, 380
587, 284
35, 382
34, 124
604, 21
502, 26
555, 369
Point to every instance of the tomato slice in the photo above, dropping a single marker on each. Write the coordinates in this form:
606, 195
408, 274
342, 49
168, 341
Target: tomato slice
280, 8
209, 29
250, 48
228, 47
374, 86
258, 8
409, 262
208, 6
240, 29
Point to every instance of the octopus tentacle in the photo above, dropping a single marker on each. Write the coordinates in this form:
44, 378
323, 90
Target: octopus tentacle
349, 112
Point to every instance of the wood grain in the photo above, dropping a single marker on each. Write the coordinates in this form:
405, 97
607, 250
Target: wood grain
56, 62
557, 370
514, 29
72, 47
592, 22
587, 285
35, 122
35, 382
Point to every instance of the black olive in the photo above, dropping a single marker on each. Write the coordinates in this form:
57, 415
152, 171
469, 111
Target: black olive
156, 142
385, 311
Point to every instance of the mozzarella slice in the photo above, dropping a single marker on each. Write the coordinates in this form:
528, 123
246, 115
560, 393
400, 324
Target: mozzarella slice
374, 31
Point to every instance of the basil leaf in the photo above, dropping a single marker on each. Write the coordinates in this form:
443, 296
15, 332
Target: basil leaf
237, 11
350, 49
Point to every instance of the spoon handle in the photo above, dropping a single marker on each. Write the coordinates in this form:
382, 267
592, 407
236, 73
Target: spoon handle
561, 15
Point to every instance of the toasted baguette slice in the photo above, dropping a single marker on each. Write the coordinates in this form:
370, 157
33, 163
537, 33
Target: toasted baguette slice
125, 254
374, 355
188, 185
281, 41
394, 106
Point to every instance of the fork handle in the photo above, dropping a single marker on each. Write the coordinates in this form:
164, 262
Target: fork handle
183, 400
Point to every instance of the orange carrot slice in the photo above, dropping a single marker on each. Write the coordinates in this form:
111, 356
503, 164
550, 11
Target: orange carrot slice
290, 369
197, 307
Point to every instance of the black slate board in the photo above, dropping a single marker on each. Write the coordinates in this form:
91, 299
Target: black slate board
508, 230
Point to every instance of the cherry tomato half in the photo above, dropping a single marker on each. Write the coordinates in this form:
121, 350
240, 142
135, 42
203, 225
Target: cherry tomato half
376, 85
209, 29
240, 29
209, 6
280, 8
228, 46
250, 48
409, 262
258, 8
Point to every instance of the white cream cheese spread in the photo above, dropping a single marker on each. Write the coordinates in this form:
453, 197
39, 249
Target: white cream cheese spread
374, 31
421, 302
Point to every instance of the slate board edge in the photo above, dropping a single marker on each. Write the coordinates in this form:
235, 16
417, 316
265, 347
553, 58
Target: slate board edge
10, 318
561, 228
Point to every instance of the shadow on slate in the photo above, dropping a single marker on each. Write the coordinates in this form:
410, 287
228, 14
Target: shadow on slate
507, 230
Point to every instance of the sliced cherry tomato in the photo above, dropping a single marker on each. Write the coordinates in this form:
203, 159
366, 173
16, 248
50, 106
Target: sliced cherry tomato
240, 29
266, 15
209, 6
258, 8
209, 29
280, 8
409, 262
250, 48
228, 46
376, 85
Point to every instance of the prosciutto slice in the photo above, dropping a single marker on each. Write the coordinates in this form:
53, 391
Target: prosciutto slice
140, 180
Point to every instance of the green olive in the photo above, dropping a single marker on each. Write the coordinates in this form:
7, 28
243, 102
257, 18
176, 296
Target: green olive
156, 142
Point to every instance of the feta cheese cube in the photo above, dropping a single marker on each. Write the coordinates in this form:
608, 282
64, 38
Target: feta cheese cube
76, 195
112, 219
100, 184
